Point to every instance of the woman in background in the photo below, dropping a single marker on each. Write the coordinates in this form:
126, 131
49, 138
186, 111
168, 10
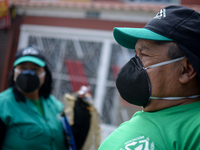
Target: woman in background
29, 114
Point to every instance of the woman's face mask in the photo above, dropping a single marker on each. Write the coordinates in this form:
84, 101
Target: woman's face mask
27, 80
133, 82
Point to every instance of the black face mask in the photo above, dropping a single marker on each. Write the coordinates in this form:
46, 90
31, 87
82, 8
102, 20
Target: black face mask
28, 81
133, 83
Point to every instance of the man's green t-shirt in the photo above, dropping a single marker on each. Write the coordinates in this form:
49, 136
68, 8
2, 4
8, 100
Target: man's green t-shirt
175, 128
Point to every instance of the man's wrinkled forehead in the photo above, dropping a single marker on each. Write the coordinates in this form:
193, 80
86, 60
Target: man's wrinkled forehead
151, 49
143, 44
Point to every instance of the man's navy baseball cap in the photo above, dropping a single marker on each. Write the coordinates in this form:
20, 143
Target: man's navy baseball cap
172, 23
30, 54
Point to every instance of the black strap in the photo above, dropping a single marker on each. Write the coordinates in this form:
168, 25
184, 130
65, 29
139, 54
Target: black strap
81, 124
2, 133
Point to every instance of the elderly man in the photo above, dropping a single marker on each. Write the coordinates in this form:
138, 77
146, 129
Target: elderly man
164, 78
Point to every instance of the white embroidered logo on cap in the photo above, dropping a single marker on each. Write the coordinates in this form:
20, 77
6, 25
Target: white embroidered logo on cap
161, 14
30, 50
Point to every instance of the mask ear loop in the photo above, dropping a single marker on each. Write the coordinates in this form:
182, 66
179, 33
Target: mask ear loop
175, 98
165, 63
42, 74
161, 64
17, 70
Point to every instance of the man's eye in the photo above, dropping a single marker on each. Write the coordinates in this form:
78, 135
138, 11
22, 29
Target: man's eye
144, 54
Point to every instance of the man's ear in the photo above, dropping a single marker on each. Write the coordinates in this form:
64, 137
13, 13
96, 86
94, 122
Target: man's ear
188, 72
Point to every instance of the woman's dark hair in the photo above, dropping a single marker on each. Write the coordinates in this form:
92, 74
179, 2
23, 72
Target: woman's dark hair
46, 88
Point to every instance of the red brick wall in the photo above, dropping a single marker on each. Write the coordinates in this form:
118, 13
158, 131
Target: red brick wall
79, 23
108, 0
10, 39
4, 37
190, 2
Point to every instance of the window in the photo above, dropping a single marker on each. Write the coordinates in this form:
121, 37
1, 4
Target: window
83, 57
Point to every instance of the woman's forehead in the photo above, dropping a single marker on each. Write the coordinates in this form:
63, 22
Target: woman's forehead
28, 64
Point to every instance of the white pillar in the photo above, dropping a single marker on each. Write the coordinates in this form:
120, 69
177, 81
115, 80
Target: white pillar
23, 38
102, 75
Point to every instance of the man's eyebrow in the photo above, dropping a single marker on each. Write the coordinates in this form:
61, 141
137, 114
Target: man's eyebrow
142, 48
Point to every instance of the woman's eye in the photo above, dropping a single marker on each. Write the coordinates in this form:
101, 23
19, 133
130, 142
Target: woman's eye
34, 69
22, 68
